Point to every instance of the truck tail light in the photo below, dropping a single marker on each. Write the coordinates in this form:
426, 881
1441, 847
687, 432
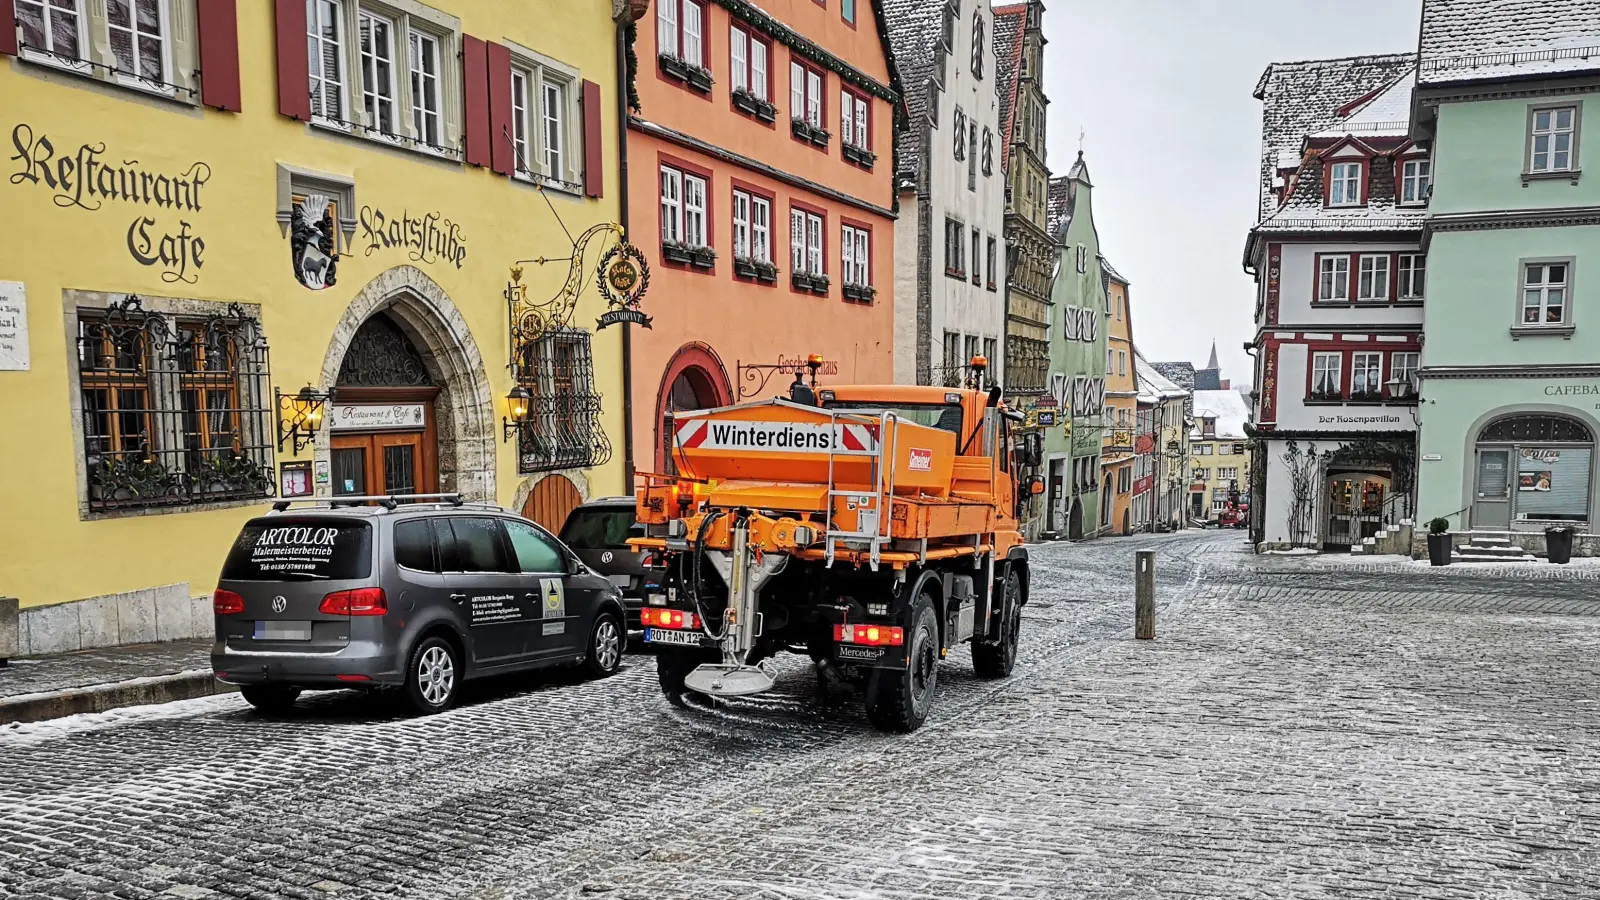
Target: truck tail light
359, 602
657, 617
870, 635
226, 603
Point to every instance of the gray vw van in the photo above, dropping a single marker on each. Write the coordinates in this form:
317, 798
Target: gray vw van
411, 597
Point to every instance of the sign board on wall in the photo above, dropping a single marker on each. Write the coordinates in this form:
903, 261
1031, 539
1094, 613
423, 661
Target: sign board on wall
393, 415
13, 327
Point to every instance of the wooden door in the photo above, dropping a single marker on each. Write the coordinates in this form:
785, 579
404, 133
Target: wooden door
379, 464
550, 501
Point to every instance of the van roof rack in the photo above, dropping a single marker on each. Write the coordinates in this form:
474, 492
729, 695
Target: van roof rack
387, 501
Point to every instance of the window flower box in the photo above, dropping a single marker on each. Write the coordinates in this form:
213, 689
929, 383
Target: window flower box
1326, 397
702, 257
861, 293
755, 106
760, 270
1366, 397
820, 136
819, 284
800, 280
676, 252
698, 78
674, 66
861, 157
800, 128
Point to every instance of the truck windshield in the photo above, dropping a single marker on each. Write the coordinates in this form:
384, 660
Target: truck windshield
934, 415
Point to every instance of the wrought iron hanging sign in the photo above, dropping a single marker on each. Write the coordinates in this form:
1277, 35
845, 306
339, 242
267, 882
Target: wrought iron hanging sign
624, 277
311, 243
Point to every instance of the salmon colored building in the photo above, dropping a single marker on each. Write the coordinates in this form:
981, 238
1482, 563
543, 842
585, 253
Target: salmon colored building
760, 187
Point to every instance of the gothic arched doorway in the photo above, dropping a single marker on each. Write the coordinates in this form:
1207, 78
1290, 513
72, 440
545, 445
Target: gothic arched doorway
383, 437
694, 379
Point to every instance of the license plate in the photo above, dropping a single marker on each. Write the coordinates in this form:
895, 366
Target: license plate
621, 580
283, 631
670, 636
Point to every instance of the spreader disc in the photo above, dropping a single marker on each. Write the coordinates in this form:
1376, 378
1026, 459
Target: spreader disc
720, 680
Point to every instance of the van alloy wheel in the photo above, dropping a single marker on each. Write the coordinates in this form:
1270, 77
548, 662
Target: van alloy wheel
436, 675
605, 647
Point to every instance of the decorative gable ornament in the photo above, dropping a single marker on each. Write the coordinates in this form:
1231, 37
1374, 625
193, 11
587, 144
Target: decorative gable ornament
311, 243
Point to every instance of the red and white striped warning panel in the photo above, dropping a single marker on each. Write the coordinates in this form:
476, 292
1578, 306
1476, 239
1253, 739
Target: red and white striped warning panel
777, 437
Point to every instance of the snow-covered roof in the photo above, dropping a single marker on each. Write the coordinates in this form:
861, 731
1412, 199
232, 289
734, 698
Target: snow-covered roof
1152, 383
1009, 23
1227, 407
1302, 98
1058, 208
1479, 40
1112, 274
1388, 114
915, 35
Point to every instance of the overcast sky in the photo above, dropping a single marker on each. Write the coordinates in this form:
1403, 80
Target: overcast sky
1162, 89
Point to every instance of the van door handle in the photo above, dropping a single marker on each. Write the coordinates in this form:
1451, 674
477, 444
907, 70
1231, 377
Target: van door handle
458, 597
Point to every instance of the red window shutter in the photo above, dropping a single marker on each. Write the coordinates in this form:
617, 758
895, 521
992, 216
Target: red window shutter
593, 169
8, 27
475, 80
219, 53
294, 79
502, 152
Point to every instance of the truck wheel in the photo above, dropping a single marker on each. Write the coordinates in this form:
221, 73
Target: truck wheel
672, 666
900, 700
995, 659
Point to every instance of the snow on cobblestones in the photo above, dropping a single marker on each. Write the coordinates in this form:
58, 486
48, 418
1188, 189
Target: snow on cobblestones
1299, 729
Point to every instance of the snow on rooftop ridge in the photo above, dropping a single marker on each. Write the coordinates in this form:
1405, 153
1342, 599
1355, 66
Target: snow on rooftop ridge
1228, 407
1475, 40
1388, 113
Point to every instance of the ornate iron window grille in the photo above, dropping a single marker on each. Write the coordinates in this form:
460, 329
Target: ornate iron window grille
562, 429
176, 409
380, 355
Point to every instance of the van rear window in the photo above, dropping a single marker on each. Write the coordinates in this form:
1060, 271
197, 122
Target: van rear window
600, 528
277, 549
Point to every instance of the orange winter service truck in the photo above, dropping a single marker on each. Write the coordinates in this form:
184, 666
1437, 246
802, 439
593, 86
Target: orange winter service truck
873, 529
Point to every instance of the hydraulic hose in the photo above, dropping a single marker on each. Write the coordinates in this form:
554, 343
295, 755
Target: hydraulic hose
694, 589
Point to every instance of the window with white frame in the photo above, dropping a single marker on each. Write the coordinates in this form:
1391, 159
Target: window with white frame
1544, 293
425, 88
377, 71
1552, 141
955, 236
671, 205
752, 227
1326, 375
1224, 450
1374, 281
1228, 473
1333, 279
855, 245
543, 116
747, 56
805, 94
1412, 276
680, 30
552, 129
324, 43
1366, 374
1415, 177
853, 111
53, 27
522, 129
1403, 366
805, 242
694, 211
138, 35
1344, 184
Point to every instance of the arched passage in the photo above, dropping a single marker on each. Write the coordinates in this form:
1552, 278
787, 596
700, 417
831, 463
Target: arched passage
550, 500
424, 314
694, 379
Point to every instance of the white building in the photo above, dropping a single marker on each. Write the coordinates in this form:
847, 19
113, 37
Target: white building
1340, 273
950, 270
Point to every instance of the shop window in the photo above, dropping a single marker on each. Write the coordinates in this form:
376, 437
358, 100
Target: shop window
176, 409
562, 430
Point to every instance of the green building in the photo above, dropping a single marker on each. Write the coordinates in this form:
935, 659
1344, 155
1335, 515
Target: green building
1077, 383
1511, 360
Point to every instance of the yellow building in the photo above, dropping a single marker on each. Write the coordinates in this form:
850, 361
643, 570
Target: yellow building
1219, 453
1117, 474
223, 203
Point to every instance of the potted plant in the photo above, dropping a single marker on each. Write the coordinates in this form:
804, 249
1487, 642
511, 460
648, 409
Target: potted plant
744, 267
698, 78
800, 280
703, 257
765, 271
1558, 543
676, 252
801, 128
673, 66
819, 136
1440, 543
819, 284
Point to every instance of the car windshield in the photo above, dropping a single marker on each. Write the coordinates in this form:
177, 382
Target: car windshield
277, 549
600, 528
934, 415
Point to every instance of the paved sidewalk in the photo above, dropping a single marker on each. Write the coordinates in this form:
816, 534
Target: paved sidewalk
44, 687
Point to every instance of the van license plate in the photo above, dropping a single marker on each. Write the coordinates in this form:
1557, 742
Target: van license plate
669, 636
283, 631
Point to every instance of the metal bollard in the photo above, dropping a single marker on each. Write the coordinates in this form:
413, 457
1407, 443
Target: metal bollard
1144, 595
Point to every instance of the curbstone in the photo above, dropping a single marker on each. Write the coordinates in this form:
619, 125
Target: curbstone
102, 697
10, 629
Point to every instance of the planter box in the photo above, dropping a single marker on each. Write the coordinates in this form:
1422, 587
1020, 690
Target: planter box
676, 253
801, 281
703, 257
859, 292
755, 106
699, 79
862, 158
819, 284
744, 268
673, 66
767, 272
800, 129
1440, 547
820, 137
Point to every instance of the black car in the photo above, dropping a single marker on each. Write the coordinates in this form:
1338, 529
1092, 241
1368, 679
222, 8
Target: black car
598, 532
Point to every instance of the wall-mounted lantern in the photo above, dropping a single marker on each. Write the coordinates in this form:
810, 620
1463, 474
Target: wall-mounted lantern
300, 416
517, 403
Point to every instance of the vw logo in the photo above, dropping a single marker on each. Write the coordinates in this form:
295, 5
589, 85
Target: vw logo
279, 604
606, 557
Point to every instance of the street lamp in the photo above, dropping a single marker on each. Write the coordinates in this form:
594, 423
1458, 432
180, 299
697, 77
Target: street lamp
516, 411
1402, 389
300, 415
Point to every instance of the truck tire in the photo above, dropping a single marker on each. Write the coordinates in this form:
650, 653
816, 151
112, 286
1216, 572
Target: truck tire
995, 659
672, 666
899, 700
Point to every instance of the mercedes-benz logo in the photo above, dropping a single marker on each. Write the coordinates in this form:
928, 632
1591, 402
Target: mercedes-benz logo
279, 604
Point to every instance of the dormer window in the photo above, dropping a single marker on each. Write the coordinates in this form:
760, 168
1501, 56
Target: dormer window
1416, 177
1344, 184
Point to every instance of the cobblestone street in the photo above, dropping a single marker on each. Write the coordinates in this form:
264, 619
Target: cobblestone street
1298, 729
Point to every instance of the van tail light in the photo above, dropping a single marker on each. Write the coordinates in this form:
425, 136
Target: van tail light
226, 603
659, 617
870, 635
359, 602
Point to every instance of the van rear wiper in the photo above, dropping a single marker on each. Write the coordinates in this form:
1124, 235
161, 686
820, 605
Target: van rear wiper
308, 576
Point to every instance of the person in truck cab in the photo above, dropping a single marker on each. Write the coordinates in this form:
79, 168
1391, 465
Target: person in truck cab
800, 393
